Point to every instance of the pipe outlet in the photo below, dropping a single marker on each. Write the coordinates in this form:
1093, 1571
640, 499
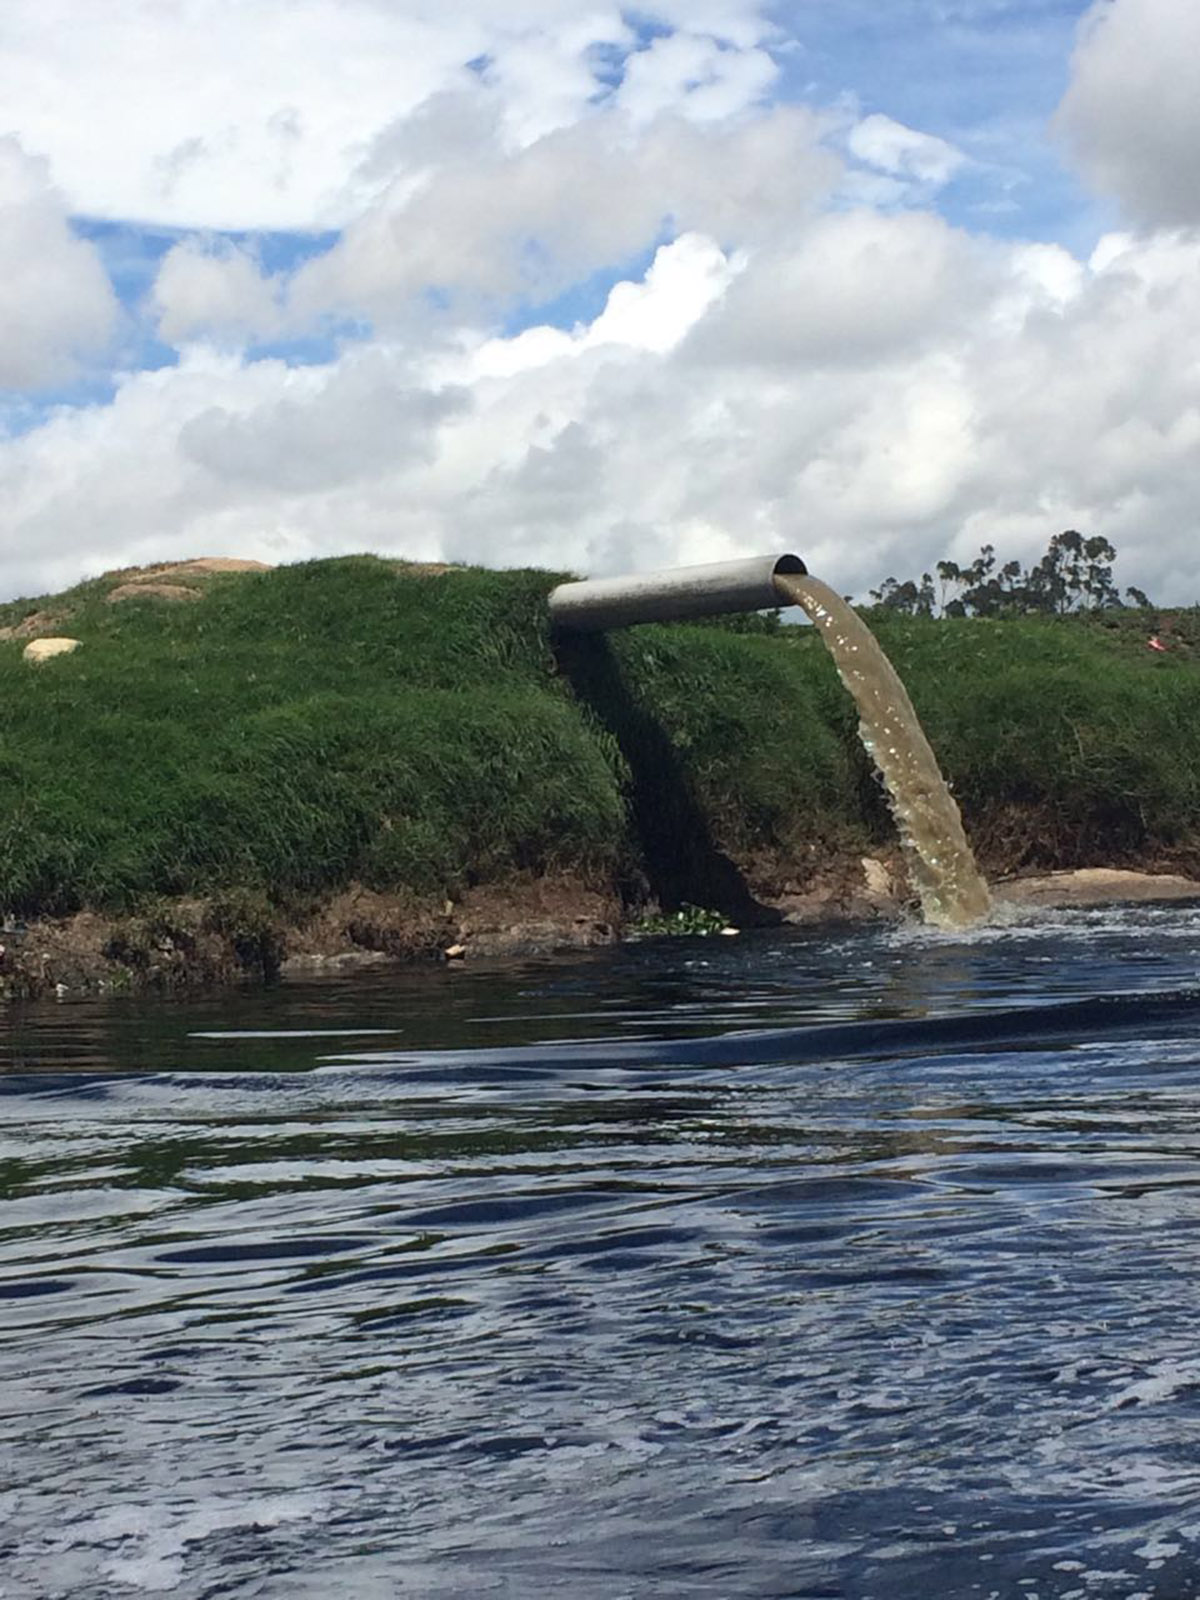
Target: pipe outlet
597, 604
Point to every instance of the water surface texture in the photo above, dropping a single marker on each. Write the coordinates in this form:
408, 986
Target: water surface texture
813, 1266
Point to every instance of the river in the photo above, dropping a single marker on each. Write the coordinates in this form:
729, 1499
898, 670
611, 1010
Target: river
815, 1265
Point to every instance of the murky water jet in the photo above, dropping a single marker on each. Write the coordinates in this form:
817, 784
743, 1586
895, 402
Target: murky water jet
952, 891
942, 869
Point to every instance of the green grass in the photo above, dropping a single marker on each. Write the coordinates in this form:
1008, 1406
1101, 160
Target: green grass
767, 766
294, 730
1067, 742
352, 720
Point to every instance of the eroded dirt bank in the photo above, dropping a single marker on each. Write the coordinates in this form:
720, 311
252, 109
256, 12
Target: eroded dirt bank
185, 945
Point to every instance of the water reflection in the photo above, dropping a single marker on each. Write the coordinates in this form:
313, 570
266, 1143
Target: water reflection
539, 1282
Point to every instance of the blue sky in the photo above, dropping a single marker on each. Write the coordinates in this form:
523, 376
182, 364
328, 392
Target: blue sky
573, 284
985, 76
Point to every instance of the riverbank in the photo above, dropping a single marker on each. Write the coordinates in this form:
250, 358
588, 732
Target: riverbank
186, 945
238, 770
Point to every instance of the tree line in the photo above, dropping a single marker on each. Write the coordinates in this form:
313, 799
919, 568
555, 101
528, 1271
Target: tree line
1074, 574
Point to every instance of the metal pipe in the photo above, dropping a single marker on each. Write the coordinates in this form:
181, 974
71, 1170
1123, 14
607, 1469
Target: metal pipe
597, 604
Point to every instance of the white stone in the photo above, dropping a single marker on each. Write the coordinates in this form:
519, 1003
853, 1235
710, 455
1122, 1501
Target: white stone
879, 879
38, 650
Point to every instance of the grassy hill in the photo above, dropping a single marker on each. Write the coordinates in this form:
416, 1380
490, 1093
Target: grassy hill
292, 731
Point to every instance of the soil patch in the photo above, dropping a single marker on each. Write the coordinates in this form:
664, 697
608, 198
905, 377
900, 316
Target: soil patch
38, 622
195, 567
151, 591
189, 944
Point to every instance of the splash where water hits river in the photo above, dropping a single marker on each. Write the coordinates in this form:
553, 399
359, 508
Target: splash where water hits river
857, 1265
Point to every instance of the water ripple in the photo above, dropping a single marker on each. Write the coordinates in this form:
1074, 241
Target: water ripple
854, 1267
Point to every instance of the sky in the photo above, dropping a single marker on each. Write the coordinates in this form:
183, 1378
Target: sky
599, 288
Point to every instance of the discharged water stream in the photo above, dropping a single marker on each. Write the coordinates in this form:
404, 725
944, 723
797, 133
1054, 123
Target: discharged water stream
942, 868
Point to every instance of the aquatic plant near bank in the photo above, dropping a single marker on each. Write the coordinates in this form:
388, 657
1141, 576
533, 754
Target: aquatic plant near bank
689, 922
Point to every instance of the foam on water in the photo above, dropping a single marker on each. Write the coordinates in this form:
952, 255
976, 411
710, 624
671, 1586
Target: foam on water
1008, 922
144, 1547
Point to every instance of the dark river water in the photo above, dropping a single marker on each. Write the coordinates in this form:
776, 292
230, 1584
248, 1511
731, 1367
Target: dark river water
857, 1265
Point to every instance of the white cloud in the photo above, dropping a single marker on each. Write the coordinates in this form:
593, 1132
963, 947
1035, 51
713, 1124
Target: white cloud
56, 303
736, 22
545, 78
215, 113
532, 222
451, 216
316, 429
854, 288
253, 114
222, 456
218, 292
991, 394
1131, 114
686, 277
695, 76
904, 152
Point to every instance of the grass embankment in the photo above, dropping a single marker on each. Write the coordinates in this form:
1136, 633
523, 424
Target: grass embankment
355, 721
1069, 743
346, 719
291, 730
